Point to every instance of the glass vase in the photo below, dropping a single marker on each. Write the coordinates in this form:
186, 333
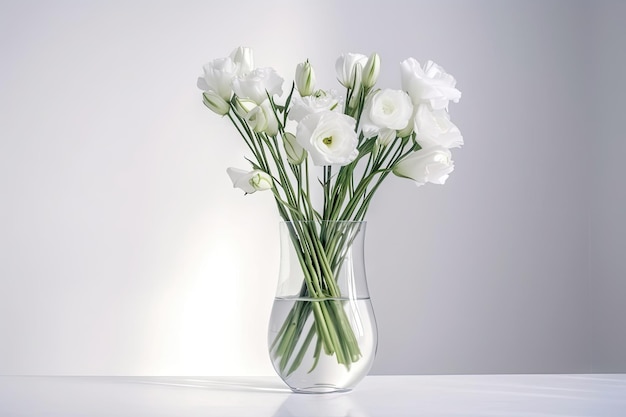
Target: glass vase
322, 331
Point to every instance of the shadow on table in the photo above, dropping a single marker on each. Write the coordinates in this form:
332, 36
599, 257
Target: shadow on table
294, 405
239, 384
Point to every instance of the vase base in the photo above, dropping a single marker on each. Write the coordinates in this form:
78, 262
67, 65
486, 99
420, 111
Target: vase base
320, 389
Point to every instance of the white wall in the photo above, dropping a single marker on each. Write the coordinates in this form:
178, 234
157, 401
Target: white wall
124, 249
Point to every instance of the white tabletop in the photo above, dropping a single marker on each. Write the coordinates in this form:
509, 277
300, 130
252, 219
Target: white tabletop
468, 395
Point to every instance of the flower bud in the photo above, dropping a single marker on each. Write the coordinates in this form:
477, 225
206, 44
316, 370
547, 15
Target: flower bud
357, 75
371, 71
243, 106
376, 150
260, 181
250, 181
385, 137
215, 103
305, 78
262, 119
295, 153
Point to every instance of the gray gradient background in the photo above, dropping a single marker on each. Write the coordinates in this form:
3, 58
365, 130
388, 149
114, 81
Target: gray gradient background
124, 249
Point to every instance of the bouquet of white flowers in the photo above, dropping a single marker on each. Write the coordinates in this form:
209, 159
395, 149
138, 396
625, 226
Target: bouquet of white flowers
356, 139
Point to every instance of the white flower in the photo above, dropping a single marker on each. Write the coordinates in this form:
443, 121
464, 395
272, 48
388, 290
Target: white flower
371, 71
329, 137
218, 77
432, 165
216, 103
257, 84
320, 101
349, 68
250, 181
295, 152
243, 59
263, 119
385, 137
433, 127
305, 78
243, 106
390, 109
430, 84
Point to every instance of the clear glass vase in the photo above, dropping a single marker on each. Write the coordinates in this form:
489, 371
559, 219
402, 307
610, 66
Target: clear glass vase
322, 332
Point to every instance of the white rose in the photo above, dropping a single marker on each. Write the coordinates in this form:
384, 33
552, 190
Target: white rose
433, 127
349, 68
320, 101
218, 77
329, 137
257, 84
250, 181
430, 84
263, 119
432, 165
385, 109
243, 59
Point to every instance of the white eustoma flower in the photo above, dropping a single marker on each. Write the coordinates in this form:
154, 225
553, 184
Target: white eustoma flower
257, 84
429, 84
433, 127
305, 78
349, 68
218, 77
432, 165
250, 181
385, 109
263, 119
295, 152
329, 137
318, 102
243, 59
371, 71
216, 103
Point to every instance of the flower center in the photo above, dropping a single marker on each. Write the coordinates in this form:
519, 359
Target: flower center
328, 140
388, 107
